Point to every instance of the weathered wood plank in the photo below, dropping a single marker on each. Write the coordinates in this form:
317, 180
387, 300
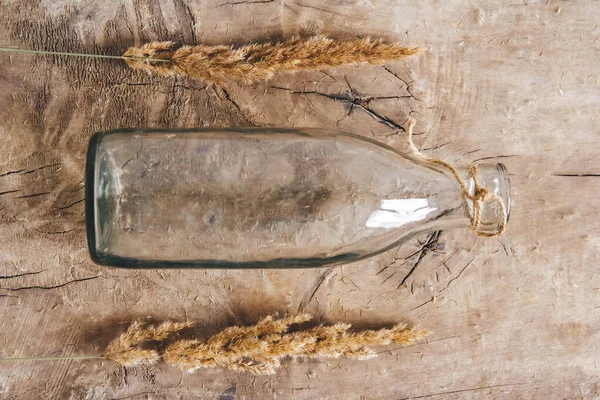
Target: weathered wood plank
513, 317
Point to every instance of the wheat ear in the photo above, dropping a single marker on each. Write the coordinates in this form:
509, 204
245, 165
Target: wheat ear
255, 62
260, 348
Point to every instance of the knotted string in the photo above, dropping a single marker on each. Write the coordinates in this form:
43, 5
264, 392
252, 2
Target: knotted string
479, 196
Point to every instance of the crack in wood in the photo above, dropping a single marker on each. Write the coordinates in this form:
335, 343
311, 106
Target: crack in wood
471, 152
8, 192
354, 102
457, 276
577, 175
32, 195
319, 9
235, 3
421, 305
31, 171
312, 291
431, 242
21, 274
132, 395
407, 84
52, 287
229, 99
463, 391
426, 342
69, 205
493, 157
190, 15
56, 232
391, 275
439, 146
11, 172
504, 247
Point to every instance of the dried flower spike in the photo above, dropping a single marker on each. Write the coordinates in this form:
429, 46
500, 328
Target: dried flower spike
255, 62
127, 348
260, 348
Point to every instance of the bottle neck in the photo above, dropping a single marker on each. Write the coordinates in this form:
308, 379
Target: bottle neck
494, 206
488, 215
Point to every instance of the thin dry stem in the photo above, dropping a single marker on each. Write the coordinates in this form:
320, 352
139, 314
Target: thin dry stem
255, 62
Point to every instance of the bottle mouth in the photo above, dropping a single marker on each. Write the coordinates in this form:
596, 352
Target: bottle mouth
494, 178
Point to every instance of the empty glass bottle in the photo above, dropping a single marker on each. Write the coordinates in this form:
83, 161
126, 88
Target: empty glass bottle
266, 198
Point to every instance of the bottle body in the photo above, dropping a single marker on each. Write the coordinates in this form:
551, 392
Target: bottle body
257, 198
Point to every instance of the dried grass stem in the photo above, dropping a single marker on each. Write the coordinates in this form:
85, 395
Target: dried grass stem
258, 348
255, 62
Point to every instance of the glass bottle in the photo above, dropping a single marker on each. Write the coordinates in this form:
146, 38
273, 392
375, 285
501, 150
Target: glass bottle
262, 198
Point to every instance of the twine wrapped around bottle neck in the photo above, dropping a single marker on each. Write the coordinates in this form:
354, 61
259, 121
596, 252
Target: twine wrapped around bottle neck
479, 196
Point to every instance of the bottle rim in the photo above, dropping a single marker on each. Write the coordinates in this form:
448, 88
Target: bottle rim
495, 178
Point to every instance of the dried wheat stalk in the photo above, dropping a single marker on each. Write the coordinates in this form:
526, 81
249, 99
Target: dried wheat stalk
255, 62
258, 349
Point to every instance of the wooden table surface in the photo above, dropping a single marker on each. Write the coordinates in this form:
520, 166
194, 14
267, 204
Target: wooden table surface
510, 81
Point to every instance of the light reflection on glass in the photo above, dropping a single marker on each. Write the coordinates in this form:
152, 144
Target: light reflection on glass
397, 212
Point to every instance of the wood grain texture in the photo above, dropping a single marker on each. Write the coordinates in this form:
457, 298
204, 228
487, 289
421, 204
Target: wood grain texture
512, 317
